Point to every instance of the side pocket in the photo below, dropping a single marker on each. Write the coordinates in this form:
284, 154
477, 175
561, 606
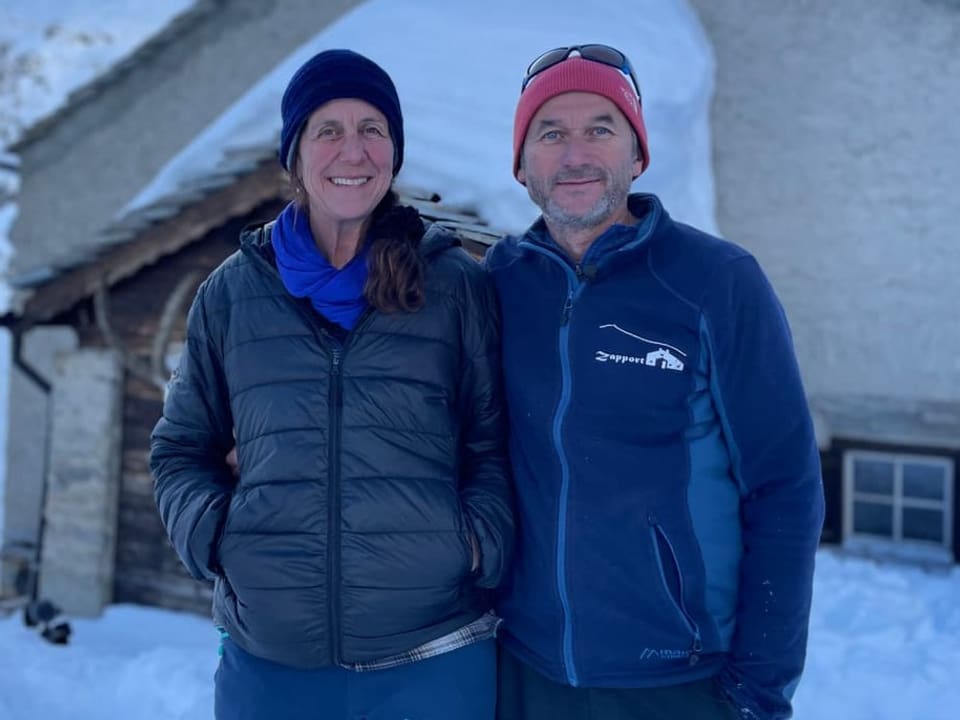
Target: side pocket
671, 579
467, 538
217, 560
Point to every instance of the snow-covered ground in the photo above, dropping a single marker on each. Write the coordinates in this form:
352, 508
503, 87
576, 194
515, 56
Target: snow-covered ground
135, 663
884, 643
882, 647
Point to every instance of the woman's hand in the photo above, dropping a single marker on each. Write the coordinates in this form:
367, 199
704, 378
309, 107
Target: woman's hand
234, 465
476, 553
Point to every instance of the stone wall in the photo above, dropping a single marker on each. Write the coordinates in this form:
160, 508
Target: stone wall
837, 161
28, 426
83, 479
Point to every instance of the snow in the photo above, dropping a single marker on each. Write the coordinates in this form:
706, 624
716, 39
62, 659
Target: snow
9, 186
880, 649
458, 78
49, 48
883, 643
135, 663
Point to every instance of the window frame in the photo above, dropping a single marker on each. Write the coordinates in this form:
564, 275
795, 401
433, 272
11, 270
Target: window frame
896, 545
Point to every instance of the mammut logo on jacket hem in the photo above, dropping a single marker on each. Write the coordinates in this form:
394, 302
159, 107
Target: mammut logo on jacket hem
663, 654
661, 357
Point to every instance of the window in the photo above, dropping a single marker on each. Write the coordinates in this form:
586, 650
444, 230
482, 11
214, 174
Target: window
898, 504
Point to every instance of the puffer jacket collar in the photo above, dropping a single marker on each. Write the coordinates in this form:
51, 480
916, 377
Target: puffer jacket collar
255, 243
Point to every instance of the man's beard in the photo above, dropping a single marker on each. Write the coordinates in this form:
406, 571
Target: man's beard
613, 198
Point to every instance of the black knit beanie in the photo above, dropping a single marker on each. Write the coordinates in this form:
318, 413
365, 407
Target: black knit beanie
331, 75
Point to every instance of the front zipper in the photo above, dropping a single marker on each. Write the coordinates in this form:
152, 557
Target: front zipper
679, 604
337, 351
577, 279
574, 287
558, 418
333, 502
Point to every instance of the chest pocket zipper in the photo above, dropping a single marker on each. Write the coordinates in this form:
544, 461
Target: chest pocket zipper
663, 547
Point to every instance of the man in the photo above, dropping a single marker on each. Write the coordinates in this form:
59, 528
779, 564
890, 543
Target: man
664, 457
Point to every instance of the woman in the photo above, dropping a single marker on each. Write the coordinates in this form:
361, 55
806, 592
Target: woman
352, 359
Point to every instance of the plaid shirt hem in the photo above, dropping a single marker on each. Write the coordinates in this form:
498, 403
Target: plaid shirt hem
483, 628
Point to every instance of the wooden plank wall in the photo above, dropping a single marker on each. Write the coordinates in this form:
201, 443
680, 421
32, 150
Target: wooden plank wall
147, 571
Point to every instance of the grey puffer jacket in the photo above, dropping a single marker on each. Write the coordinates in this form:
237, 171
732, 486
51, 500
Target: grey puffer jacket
365, 465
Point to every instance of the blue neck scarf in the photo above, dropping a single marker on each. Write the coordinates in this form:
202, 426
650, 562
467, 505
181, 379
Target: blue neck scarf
337, 294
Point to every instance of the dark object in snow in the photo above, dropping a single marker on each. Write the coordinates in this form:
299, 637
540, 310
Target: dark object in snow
50, 621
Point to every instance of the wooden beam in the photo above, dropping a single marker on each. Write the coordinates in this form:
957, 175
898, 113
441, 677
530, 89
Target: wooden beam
192, 223
166, 238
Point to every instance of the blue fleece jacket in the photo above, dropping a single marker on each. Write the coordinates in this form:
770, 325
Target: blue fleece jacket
666, 469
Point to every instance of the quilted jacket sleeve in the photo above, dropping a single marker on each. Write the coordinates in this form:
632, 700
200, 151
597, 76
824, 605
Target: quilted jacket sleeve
192, 482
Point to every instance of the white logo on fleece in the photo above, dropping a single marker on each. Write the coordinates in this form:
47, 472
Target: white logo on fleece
662, 357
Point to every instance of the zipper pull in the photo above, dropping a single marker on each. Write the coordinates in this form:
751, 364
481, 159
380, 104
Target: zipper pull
585, 273
567, 309
695, 650
335, 369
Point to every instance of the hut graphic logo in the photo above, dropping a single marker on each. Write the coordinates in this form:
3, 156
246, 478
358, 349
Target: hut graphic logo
662, 356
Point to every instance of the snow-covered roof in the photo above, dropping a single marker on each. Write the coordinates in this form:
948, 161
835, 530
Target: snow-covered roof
59, 54
458, 68
69, 54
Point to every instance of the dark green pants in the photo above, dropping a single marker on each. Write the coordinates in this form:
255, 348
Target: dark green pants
525, 694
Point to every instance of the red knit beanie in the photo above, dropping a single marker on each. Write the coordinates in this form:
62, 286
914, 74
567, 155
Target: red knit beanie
578, 75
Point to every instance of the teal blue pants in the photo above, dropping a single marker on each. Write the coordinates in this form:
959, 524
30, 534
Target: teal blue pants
460, 685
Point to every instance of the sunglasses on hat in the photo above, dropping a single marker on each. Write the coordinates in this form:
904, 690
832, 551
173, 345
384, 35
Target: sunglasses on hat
603, 54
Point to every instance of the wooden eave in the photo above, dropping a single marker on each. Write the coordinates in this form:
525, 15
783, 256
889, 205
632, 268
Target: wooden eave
114, 264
